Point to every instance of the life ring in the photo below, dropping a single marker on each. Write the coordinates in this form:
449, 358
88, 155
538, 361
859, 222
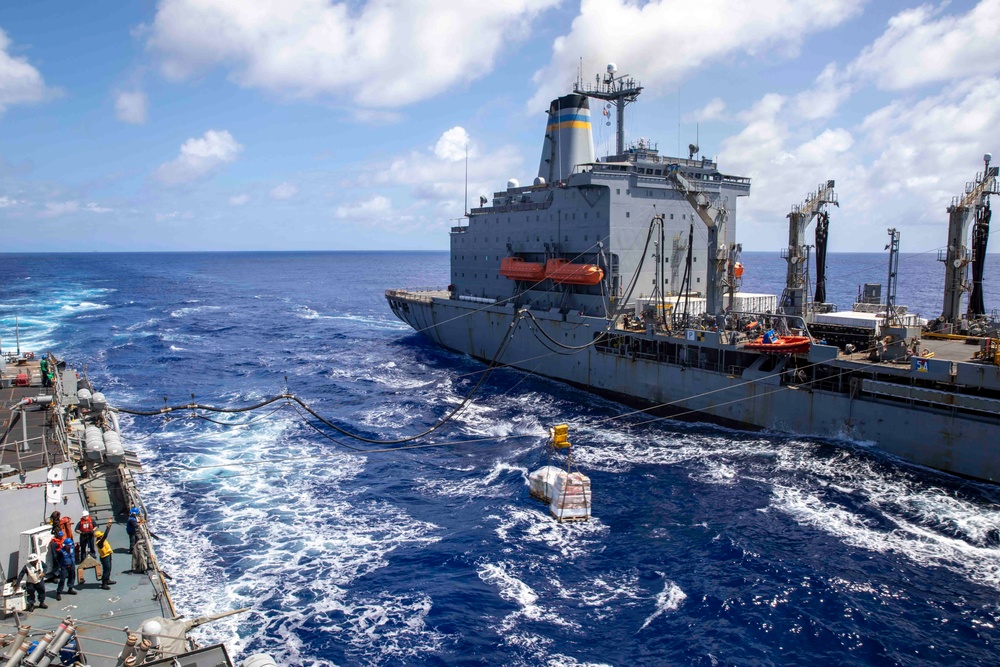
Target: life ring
29, 355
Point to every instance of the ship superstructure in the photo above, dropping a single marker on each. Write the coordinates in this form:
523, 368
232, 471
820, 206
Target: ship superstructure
622, 275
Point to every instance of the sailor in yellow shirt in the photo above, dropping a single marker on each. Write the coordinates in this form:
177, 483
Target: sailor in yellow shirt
104, 550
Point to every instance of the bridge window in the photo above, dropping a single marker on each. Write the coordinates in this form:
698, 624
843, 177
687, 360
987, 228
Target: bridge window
628, 214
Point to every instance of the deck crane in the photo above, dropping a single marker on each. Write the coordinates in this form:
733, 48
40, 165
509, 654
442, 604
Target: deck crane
714, 215
971, 206
794, 298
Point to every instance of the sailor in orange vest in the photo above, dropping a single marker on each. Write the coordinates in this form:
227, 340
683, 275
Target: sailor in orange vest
85, 529
55, 557
66, 526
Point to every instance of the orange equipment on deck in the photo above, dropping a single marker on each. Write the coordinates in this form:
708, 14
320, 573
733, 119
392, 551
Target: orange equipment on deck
783, 345
562, 271
516, 268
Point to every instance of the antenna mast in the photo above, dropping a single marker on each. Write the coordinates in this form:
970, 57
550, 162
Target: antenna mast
622, 90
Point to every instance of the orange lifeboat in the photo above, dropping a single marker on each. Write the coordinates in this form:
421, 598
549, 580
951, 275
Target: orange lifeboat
562, 271
516, 268
781, 345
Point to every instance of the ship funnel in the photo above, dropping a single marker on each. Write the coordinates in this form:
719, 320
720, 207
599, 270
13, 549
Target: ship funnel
568, 139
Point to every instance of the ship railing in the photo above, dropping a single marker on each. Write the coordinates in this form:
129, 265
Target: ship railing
145, 542
25, 457
736, 180
59, 421
513, 207
412, 296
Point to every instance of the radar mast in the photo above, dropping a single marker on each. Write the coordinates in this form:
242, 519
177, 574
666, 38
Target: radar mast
622, 90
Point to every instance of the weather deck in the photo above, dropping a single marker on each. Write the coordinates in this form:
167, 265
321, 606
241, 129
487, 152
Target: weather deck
31, 449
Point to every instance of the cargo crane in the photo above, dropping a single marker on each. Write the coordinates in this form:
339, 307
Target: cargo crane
794, 298
714, 216
974, 205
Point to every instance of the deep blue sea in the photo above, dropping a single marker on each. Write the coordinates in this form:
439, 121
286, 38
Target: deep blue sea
708, 546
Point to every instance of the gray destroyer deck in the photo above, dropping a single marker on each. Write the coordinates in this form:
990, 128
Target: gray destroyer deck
44, 438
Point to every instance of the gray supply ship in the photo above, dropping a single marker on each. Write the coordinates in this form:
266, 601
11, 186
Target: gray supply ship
622, 276
63, 452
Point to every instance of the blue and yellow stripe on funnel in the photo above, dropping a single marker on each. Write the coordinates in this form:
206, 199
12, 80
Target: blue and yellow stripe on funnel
572, 120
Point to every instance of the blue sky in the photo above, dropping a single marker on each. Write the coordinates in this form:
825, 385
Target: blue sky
307, 124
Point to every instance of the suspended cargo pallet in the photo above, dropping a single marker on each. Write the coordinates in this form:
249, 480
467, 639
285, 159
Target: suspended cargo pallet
567, 494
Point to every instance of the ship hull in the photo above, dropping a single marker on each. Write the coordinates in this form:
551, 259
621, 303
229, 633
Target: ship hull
937, 437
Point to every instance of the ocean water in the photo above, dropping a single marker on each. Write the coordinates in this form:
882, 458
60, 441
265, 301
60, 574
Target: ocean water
708, 546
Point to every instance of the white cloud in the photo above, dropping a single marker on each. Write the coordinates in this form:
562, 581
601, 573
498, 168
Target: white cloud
670, 39
930, 148
373, 208
200, 158
383, 53
452, 145
377, 212
130, 107
239, 200
8, 202
714, 110
55, 209
904, 162
20, 83
829, 91
438, 174
284, 191
920, 46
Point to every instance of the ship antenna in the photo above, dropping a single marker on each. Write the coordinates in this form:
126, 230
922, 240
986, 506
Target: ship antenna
622, 90
466, 179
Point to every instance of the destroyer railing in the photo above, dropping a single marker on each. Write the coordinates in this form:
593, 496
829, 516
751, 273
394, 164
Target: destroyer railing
132, 499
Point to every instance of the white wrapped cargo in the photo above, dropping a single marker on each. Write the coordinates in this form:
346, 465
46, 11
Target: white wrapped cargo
571, 496
748, 302
567, 494
542, 482
863, 320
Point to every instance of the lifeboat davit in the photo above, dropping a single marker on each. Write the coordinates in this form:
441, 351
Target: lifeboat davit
516, 268
563, 271
781, 345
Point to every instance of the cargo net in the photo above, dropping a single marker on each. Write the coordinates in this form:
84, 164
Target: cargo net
567, 492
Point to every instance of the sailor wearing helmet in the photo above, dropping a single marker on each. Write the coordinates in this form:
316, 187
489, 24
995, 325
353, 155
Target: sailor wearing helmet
34, 572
